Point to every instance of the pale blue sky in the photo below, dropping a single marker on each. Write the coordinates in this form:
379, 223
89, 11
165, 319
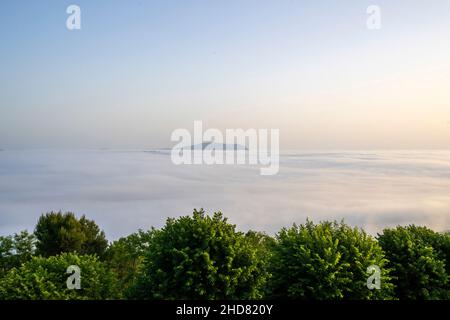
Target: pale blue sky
137, 70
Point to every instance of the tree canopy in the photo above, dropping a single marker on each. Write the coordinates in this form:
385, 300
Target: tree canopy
203, 256
199, 257
326, 261
58, 232
15, 250
46, 279
419, 259
126, 255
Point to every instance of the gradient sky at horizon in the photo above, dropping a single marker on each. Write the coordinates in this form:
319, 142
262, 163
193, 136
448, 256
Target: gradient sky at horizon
137, 70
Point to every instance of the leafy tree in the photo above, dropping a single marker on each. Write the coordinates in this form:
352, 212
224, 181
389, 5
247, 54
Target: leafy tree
15, 250
419, 258
326, 261
126, 255
46, 279
263, 245
95, 241
199, 257
57, 232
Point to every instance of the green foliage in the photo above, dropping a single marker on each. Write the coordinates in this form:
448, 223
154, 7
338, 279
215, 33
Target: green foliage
57, 233
204, 257
15, 250
45, 279
263, 245
326, 261
199, 257
419, 258
125, 257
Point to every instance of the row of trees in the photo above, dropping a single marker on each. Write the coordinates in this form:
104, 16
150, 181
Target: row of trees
205, 257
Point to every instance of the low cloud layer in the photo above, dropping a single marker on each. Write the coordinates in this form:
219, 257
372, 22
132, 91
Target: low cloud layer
127, 190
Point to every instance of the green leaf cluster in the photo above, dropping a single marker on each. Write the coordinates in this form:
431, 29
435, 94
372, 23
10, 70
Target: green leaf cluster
58, 232
204, 256
45, 279
200, 257
126, 255
15, 250
420, 262
326, 261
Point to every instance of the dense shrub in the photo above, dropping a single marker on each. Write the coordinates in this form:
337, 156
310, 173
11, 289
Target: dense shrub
204, 257
126, 255
15, 250
326, 261
263, 245
57, 232
46, 278
200, 257
419, 258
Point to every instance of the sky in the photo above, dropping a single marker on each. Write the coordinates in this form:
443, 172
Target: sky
138, 70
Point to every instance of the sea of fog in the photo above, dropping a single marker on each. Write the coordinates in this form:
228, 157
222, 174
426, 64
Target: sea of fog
126, 190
